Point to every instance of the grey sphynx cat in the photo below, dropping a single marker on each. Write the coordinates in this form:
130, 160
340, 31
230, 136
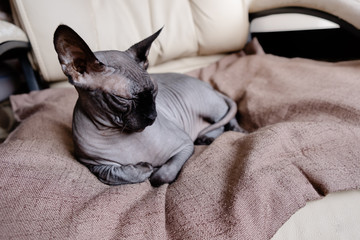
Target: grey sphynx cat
129, 125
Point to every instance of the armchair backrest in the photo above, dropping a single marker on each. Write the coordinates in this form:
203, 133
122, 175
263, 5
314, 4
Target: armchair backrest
191, 28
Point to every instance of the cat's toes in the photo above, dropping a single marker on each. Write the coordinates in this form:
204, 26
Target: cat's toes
204, 140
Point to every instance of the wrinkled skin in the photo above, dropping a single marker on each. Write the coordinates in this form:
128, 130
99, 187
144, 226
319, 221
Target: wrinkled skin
129, 125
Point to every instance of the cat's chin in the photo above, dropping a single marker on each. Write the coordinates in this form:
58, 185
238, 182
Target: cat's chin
134, 130
140, 130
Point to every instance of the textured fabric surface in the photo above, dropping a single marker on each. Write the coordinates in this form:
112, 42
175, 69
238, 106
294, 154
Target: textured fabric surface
303, 118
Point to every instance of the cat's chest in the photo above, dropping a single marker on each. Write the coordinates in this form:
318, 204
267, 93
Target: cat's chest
155, 144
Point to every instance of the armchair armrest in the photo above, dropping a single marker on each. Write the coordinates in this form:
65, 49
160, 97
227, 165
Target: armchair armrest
11, 37
305, 32
15, 44
10, 32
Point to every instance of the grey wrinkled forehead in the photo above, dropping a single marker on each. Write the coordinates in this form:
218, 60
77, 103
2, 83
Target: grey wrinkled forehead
116, 59
127, 67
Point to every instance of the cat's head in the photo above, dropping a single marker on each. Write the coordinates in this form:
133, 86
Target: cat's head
112, 85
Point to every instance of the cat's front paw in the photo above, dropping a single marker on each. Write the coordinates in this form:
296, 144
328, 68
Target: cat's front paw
204, 140
162, 175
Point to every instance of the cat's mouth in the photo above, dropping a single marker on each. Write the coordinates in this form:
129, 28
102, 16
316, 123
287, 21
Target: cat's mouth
119, 123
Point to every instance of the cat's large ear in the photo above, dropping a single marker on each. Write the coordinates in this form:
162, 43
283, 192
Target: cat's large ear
140, 51
75, 56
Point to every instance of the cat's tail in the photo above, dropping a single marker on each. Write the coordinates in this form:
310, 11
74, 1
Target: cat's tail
226, 119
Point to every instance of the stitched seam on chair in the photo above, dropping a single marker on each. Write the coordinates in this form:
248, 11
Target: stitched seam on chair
25, 23
195, 26
156, 45
94, 20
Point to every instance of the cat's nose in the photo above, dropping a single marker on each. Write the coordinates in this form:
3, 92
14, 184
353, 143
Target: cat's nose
151, 117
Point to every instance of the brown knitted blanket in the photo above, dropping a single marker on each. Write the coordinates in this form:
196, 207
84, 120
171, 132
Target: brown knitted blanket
304, 142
